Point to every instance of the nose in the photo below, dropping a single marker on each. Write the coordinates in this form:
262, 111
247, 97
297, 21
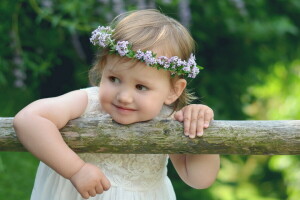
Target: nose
124, 97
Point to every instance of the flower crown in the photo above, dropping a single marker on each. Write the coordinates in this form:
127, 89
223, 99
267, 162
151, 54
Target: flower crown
102, 37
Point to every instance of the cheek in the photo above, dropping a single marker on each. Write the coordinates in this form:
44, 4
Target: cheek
101, 96
152, 105
104, 93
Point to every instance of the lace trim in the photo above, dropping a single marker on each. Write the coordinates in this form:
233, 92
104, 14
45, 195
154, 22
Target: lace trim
137, 172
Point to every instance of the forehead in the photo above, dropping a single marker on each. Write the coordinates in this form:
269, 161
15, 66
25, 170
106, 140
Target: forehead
126, 66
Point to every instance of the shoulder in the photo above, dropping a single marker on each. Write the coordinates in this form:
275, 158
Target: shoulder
93, 104
58, 109
91, 91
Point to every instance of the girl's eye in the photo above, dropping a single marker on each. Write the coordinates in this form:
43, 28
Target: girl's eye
114, 79
141, 87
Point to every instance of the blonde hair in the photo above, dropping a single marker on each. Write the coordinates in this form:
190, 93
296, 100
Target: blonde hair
150, 30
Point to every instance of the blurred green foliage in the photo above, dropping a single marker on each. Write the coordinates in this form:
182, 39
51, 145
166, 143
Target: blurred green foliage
250, 51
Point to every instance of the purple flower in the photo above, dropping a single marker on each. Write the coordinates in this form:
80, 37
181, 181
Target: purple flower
195, 70
192, 61
139, 55
173, 59
149, 59
186, 68
122, 47
166, 65
181, 63
163, 61
101, 36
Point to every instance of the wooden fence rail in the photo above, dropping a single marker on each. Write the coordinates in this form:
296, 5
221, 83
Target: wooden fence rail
166, 136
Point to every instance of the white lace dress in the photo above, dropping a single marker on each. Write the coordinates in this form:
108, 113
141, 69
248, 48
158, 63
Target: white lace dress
132, 176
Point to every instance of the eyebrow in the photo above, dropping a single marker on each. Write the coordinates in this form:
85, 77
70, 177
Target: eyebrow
113, 71
139, 80
144, 82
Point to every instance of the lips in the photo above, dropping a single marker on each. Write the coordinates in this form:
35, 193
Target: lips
124, 108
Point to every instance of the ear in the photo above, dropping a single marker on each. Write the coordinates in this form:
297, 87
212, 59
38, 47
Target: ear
176, 91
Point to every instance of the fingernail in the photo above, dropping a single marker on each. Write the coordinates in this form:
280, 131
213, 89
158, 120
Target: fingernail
206, 125
186, 134
192, 136
199, 134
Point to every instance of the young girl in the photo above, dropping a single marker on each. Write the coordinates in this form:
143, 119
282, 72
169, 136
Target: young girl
133, 84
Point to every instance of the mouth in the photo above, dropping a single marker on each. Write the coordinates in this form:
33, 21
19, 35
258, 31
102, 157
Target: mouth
124, 108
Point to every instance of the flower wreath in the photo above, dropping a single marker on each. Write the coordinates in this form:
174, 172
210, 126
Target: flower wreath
102, 37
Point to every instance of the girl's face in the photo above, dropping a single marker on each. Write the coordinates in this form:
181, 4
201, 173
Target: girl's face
134, 93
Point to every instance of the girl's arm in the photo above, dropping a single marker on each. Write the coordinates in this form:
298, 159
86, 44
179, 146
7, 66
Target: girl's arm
37, 127
198, 171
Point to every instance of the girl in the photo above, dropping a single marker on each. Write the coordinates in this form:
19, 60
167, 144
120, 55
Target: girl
134, 85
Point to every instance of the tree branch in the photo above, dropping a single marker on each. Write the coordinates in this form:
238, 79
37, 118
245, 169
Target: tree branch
103, 135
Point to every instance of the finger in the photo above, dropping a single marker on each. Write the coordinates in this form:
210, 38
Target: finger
99, 188
187, 120
194, 123
179, 116
200, 123
208, 116
92, 193
105, 183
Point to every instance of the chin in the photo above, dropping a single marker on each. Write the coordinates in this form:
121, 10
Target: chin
124, 121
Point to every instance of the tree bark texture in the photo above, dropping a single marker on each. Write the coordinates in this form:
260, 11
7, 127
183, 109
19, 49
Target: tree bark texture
160, 136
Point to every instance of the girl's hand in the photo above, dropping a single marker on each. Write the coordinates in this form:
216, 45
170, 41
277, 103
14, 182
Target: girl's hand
90, 181
195, 117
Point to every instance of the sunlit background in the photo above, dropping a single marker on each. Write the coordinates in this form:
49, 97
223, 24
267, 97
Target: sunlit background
250, 51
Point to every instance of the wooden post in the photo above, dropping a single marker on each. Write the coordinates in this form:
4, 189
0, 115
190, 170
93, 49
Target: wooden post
161, 136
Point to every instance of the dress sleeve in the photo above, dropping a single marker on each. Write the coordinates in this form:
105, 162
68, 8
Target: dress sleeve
93, 106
